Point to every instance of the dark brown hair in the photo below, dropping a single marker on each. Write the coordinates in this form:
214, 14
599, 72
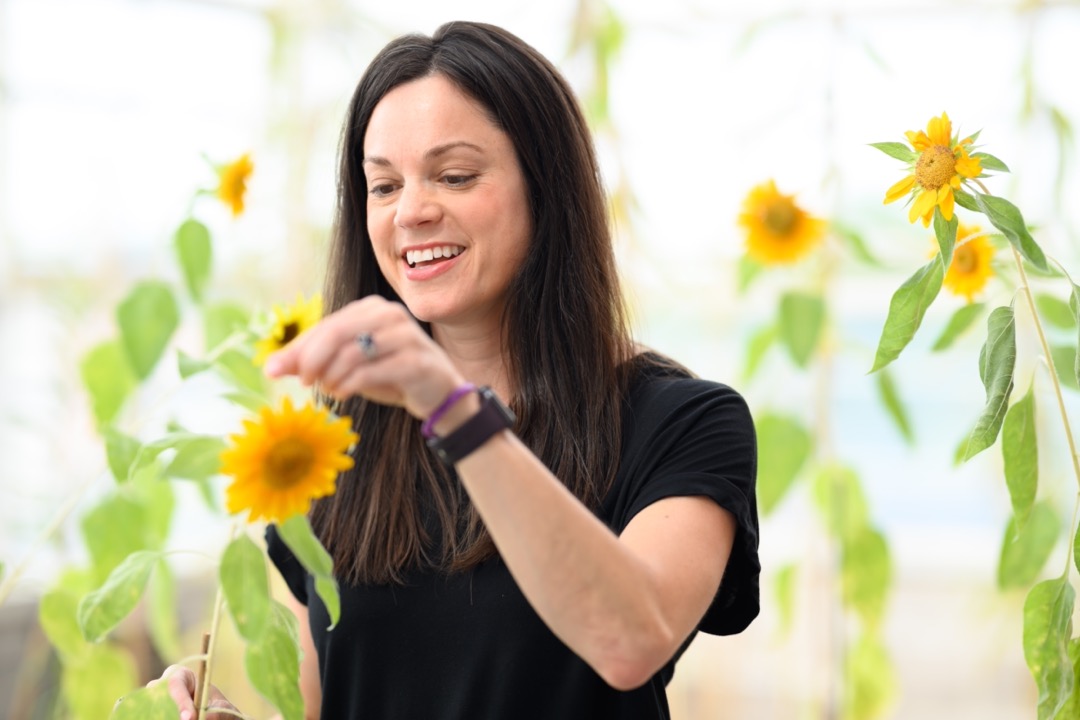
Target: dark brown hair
566, 338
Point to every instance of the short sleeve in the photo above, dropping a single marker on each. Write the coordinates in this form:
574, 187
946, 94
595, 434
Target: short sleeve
290, 568
691, 437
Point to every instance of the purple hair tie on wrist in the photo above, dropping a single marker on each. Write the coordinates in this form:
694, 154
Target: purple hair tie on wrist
428, 428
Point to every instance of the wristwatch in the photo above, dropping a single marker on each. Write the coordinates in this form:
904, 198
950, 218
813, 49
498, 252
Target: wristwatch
492, 417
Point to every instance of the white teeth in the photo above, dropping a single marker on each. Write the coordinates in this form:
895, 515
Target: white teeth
427, 255
438, 252
445, 251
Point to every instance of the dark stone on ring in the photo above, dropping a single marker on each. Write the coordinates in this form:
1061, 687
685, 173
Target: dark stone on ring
367, 345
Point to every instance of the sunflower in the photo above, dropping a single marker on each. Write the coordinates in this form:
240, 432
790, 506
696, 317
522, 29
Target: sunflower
970, 268
777, 230
232, 182
289, 323
941, 166
284, 460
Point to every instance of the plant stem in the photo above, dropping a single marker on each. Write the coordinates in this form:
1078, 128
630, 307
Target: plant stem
215, 621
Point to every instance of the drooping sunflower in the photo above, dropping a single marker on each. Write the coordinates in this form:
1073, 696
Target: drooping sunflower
941, 165
289, 323
284, 460
970, 269
777, 230
232, 182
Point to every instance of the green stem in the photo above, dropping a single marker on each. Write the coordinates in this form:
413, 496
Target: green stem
215, 622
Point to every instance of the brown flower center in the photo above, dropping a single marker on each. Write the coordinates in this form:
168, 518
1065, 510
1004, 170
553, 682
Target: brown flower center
936, 167
781, 216
289, 331
287, 463
965, 259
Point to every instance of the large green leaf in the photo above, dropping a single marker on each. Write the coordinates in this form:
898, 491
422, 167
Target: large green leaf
1064, 357
1025, 551
870, 679
1071, 708
121, 450
148, 316
960, 321
273, 664
113, 529
246, 587
906, 311
756, 347
102, 610
197, 458
890, 398
1006, 217
966, 201
148, 703
1020, 451
194, 251
57, 614
996, 363
1048, 613
238, 368
108, 379
298, 536
945, 232
223, 320
840, 500
162, 618
92, 685
802, 316
783, 448
866, 574
1055, 311
989, 162
897, 150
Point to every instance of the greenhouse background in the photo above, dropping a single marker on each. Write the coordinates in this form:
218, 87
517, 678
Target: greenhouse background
113, 112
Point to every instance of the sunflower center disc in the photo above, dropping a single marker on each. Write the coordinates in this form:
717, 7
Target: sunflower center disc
965, 259
289, 333
936, 167
288, 462
780, 216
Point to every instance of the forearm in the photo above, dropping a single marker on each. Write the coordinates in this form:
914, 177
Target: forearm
591, 589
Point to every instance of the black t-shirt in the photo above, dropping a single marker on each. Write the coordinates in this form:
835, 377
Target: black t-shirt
469, 646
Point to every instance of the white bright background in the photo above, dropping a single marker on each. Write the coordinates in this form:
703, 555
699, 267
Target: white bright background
107, 107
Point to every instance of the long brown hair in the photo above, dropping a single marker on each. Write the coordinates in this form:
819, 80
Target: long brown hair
565, 332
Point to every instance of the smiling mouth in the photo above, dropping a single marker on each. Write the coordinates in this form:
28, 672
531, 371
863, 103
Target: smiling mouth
432, 255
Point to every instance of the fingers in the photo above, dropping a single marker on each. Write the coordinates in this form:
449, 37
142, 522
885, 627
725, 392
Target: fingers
181, 684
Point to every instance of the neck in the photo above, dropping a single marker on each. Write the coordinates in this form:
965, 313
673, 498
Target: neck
477, 352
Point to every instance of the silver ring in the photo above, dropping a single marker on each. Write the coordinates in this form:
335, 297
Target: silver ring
367, 345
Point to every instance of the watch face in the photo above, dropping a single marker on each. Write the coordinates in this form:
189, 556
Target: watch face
492, 417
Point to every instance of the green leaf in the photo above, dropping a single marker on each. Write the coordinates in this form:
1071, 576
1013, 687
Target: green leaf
945, 232
839, 498
92, 685
121, 450
223, 320
148, 316
247, 399
147, 703
1047, 628
197, 458
989, 162
890, 398
242, 372
783, 448
1021, 454
802, 317
897, 150
1024, 552
1071, 709
189, 366
1074, 303
1006, 217
116, 527
906, 310
857, 244
966, 201
102, 610
162, 617
866, 574
108, 379
246, 587
194, 251
1055, 311
870, 679
273, 664
57, 614
1064, 359
298, 536
960, 321
784, 591
996, 363
749, 269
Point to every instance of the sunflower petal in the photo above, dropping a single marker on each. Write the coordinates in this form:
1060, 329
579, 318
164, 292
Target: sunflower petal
946, 201
924, 203
969, 166
899, 190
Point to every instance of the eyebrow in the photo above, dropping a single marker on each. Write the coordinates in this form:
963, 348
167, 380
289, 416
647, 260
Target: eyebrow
429, 155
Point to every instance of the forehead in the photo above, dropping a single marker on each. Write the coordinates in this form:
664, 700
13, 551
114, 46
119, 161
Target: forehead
427, 112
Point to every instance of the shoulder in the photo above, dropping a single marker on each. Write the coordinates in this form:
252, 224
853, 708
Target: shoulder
663, 391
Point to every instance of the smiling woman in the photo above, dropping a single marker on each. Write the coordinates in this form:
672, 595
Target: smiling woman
548, 559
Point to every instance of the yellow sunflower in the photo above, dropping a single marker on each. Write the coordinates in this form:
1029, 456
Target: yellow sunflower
777, 230
232, 182
970, 268
284, 460
289, 323
941, 166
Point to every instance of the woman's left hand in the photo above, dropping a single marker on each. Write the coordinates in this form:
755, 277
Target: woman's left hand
398, 364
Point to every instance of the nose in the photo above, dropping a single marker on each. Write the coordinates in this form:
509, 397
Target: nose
416, 206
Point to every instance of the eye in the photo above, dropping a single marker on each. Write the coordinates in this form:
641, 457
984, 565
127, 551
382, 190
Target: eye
380, 190
458, 181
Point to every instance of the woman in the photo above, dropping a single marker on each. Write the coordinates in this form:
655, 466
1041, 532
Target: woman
551, 566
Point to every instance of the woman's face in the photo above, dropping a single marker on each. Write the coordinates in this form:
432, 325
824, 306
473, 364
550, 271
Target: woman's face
447, 207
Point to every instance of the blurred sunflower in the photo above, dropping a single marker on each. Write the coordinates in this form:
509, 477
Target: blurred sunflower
941, 166
232, 182
289, 323
970, 269
284, 460
777, 230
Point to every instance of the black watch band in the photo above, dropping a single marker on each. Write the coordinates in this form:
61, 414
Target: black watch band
492, 417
